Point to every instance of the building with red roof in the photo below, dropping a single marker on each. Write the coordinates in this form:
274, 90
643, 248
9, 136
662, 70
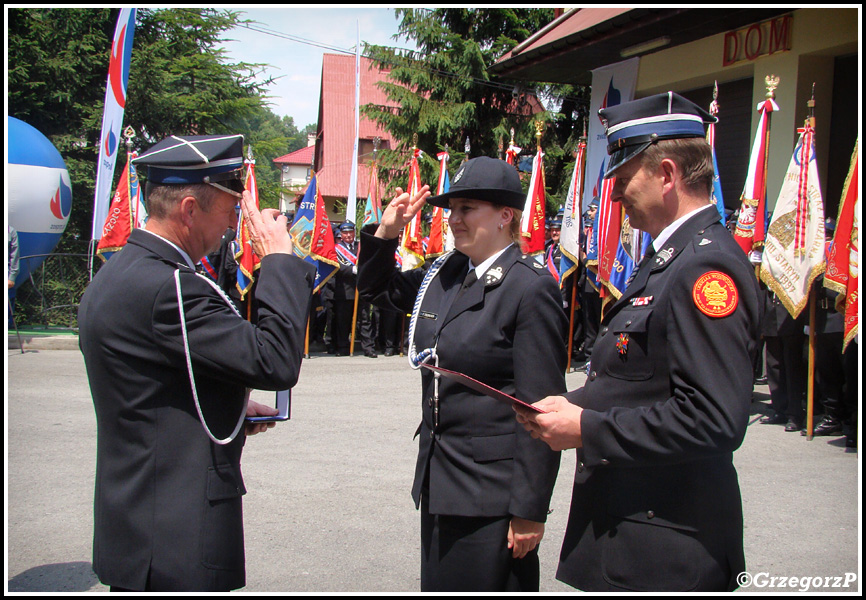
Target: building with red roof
335, 136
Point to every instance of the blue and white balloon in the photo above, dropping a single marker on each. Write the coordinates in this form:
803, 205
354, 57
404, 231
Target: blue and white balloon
40, 194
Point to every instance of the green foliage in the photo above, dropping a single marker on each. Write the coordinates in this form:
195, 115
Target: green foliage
180, 83
446, 94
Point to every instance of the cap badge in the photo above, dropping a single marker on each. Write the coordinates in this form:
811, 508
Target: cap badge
715, 294
459, 175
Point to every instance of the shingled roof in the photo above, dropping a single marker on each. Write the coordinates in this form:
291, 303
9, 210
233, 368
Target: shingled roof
336, 129
304, 156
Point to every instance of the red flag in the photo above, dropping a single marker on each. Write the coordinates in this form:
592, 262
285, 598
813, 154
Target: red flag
752, 221
413, 245
843, 264
247, 260
121, 219
512, 153
610, 220
532, 222
438, 226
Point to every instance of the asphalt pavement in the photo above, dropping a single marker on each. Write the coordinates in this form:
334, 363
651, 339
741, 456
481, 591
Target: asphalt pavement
328, 508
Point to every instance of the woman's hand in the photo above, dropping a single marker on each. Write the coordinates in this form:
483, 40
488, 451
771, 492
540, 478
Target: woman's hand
524, 536
400, 211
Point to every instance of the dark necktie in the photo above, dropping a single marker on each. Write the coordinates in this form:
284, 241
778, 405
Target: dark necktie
642, 264
470, 278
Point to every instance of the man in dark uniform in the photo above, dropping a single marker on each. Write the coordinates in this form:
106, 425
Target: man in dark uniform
345, 283
170, 362
785, 342
656, 503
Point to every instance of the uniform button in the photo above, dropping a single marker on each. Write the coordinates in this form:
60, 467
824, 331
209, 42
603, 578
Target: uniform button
650, 514
431, 435
605, 462
580, 467
592, 376
429, 401
604, 331
627, 323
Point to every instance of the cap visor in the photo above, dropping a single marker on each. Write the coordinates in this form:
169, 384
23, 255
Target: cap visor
494, 196
620, 157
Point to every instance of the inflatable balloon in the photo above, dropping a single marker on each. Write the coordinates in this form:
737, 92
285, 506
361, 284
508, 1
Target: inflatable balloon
40, 194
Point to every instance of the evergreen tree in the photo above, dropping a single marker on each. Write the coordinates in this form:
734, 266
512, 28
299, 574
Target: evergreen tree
446, 94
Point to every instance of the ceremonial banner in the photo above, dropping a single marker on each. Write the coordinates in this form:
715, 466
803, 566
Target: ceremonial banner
843, 264
373, 208
312, 236
112, 117
716, 197
572, 217
611, 85
248, 262
532, 221
122, 215
436, 246
413, 244
615, 255
512, 153
752, 221
794, 247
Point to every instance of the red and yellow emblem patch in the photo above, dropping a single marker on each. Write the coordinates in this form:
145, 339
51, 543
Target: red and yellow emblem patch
715, 294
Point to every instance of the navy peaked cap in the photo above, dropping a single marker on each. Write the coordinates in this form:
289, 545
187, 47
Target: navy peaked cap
484, 178
633, 126
179, 160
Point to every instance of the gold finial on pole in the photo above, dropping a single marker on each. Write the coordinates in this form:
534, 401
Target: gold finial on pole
539, 128
414, 142
129, 133
810, 103
772, 82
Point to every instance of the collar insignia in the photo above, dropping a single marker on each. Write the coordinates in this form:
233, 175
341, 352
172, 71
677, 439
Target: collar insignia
493, 275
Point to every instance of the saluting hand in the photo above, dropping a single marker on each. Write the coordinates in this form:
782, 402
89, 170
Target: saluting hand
267, 229
400, 211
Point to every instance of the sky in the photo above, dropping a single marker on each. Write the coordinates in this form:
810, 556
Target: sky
297, 63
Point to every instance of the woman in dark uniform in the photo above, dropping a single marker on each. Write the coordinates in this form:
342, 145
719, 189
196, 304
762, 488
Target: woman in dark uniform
489, 311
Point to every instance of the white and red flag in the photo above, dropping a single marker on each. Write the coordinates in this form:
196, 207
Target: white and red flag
793, 254
752, 221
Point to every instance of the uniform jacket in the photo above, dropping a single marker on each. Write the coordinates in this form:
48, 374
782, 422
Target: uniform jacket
168, 500
656, 503
506, 330
345, 278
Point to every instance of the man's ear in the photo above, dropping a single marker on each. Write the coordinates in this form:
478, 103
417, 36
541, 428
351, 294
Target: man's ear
188, 207
669, 172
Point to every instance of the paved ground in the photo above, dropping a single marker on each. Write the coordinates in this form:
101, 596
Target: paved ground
328, 507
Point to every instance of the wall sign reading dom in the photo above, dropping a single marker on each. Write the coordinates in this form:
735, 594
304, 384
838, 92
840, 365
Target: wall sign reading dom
760, 39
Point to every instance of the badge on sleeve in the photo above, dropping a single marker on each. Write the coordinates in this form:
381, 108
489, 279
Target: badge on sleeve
715, 294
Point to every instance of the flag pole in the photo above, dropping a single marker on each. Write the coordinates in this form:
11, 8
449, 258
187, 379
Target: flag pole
810, 389
578, 195
772, 83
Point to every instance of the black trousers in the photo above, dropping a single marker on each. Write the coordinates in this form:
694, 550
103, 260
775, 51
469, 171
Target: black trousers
471, 554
